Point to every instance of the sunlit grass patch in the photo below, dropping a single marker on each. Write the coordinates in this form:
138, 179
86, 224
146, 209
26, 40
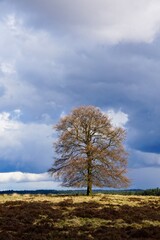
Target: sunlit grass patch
81, 222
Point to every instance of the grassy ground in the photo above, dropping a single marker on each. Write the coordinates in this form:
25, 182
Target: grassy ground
108, 217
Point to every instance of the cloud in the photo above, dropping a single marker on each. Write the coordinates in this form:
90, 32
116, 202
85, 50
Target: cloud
119, 118
101, 21
27, 181
7, 68
26, 147
31, 70
20, 177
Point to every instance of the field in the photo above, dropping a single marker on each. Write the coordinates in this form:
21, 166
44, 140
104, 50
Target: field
108, 217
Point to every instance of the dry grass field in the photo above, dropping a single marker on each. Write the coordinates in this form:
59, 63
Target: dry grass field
108, 217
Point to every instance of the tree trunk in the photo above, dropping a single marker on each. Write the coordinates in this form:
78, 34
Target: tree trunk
89, 179
89, 189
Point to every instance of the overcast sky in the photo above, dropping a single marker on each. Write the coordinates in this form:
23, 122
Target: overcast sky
59, 54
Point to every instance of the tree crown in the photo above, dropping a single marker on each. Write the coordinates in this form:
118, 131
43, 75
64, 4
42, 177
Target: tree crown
90, 150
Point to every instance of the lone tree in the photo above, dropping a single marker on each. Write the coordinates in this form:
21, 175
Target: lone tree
90, 150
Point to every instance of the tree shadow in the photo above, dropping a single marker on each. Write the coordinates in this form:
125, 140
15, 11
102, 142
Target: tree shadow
23, 220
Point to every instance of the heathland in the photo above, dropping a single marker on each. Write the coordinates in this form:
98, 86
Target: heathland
101, 216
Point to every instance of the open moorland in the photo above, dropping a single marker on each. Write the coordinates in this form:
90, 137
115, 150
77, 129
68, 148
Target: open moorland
108, 217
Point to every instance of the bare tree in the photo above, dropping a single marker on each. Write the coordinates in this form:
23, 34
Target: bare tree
90, 150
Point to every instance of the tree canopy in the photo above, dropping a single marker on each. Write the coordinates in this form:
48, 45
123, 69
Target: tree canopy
89, 150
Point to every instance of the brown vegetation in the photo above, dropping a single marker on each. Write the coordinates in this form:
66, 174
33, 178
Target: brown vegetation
108, 217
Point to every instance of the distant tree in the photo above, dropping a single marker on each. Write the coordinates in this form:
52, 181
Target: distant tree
89, 150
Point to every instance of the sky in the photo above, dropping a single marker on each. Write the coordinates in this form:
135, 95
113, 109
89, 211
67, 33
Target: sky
56, 55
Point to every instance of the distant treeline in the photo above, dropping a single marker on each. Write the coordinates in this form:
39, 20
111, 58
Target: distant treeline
147, 192
151, 192
138, 192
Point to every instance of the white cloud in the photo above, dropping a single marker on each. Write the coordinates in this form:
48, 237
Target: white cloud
7, 68
7, 123
26, 146
27, 181
119, 118
11, 177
